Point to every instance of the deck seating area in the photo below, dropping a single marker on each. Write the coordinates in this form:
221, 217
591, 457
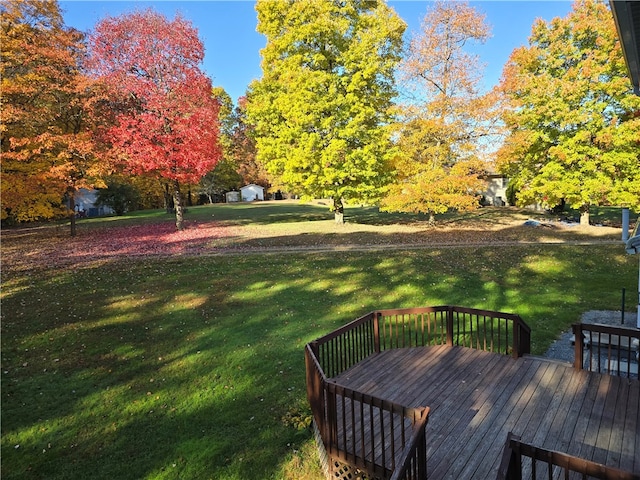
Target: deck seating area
435, 393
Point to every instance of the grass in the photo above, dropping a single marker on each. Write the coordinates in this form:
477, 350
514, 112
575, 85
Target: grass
293, 224
192, 367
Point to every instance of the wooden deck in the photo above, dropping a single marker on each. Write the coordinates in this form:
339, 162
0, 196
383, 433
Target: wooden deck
477, 397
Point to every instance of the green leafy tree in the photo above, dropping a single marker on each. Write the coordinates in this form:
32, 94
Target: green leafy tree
226, 119
322, 107
220, 180
119, 195
446, 120
574, 123
224, 176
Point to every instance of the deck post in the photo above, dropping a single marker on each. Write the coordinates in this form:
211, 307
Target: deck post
516, 461
421, 466
315, 389
331, 432
450, 326
578, 360
376, 331
521, 338
511, 463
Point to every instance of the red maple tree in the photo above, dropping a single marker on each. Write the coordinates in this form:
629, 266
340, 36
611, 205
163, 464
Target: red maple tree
164, 119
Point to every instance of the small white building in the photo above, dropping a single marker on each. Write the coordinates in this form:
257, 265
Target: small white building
232, 196
252, 192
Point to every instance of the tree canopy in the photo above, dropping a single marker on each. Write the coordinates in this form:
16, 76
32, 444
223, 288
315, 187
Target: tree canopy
322, 106
164, 117
243, 148
46, 141
574, 122
445, 119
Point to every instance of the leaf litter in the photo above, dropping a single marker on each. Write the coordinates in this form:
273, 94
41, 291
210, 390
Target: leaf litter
25, 249
51, 246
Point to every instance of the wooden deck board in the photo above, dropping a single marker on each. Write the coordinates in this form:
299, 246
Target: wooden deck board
488, 418
547, 395
477, 397
631, 435
614, 450
518, 419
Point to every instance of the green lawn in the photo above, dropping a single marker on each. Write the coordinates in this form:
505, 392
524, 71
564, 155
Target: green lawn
192, 367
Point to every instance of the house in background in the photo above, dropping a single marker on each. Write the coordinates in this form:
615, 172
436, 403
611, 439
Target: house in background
496, 191
85, 200
251, 192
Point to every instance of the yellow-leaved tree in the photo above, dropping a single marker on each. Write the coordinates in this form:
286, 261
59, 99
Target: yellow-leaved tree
322, 107
446, 121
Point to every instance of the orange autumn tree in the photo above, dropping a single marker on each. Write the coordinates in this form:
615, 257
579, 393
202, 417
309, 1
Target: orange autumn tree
446, 120
243, 148
164, 119
47, 151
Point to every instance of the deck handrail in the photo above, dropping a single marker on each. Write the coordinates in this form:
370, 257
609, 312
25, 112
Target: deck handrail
348, 345
330, 355
511, 466
334, 408
388, 426
612, 349
500, 332
415, 453
379, 330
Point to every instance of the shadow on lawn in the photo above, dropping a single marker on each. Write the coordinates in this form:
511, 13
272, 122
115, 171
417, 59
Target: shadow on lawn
153, 390
261, 213
425, 238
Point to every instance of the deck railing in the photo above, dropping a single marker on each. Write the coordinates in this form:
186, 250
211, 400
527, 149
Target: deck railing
498, 332
348, 345
362, 431
375, 435
415, 454
523, 461
607, 349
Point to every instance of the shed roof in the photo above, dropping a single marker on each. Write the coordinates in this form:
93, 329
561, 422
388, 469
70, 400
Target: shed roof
252, 185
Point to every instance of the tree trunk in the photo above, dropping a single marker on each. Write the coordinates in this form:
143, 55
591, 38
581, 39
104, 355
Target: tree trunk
338, 210
177, 203
584, 216
72, 211
167, 199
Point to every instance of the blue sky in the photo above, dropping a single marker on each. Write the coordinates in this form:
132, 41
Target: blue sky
232, 45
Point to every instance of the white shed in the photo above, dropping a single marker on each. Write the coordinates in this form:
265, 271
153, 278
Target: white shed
232, 196
252, 192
